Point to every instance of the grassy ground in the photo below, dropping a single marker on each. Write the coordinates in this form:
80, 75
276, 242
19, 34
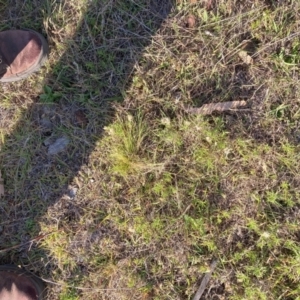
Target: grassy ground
145, 195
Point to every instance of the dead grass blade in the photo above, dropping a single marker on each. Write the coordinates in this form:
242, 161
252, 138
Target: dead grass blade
209, 108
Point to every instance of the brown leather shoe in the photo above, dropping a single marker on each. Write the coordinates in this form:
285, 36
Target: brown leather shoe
18, 284
22, 52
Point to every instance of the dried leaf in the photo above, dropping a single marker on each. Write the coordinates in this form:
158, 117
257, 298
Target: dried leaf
208, 109
1, 186
81, 118
209, 4
245, 57
190, 21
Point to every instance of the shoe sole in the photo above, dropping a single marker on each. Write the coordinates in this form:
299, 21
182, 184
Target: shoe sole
36, 66
36, 281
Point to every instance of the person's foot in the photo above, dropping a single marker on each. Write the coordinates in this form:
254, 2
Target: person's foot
18, 284
22, 52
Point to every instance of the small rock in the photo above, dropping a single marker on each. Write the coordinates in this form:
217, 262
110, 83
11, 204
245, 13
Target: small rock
48, 141
72, 192
46, 124
58, 146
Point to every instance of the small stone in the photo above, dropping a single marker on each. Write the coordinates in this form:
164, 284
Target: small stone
72, 192
46, 124
48, 141
58, 146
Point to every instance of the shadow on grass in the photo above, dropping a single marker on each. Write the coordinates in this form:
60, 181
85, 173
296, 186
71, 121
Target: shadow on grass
69, 107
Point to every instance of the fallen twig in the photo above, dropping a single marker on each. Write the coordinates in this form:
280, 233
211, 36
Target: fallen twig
1, 186
38, 238
205, 280
89, 289
209, 108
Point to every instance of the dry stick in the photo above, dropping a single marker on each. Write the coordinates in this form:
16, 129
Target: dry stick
205, 280
38, 238
295, 34
89, 289
209, 108
1, 186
